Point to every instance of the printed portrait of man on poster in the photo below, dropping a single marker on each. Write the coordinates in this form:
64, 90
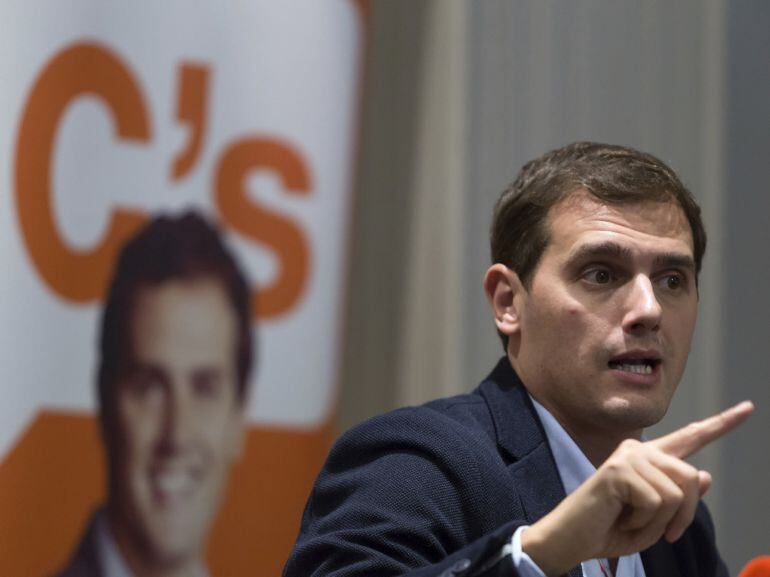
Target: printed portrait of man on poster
175, 239
173, 374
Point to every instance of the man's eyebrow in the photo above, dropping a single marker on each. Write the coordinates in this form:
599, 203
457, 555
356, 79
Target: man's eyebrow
605, 249
674, 260
615, 251
144, 369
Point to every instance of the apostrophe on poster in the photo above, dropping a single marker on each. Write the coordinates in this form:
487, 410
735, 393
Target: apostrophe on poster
89, 69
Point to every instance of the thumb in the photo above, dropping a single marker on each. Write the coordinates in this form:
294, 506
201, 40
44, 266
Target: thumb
704, 481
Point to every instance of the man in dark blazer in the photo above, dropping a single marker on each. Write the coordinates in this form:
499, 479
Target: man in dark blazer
541, 470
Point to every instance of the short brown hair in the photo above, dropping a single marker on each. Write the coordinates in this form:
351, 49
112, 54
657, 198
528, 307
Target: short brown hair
170, 248
613, 174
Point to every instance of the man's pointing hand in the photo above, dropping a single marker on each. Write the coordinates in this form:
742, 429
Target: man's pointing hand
643, 491
692, 438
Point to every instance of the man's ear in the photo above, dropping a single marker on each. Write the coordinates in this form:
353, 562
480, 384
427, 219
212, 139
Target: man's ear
504, 289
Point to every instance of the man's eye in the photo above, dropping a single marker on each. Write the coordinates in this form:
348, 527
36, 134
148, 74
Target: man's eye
145, 389
207, 385
673, 282
142, 385
598, 276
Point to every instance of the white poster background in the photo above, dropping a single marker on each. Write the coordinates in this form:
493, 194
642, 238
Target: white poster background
282, 70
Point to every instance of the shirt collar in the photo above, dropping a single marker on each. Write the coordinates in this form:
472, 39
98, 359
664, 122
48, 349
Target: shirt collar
109, 555
574, 467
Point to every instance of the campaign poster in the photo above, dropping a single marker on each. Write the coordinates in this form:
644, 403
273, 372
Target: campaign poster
234, 117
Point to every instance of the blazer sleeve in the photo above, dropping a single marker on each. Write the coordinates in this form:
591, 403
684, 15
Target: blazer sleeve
406, 494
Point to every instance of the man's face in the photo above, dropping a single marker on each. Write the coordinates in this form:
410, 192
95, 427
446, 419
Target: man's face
179, 421
606, 326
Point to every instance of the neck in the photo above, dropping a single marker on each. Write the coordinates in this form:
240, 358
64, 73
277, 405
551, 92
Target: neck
597, 445
139, 559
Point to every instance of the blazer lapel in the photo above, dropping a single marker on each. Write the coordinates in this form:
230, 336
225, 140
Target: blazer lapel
660, 561
522, 440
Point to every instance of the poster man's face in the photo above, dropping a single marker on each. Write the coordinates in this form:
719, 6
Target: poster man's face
179, 421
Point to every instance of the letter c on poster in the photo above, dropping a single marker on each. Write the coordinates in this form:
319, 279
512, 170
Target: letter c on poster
79, 71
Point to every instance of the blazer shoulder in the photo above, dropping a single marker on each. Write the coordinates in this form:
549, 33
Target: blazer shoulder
85, 558
410, 489
461, 423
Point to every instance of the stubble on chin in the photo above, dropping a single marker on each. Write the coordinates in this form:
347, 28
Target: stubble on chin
632, 415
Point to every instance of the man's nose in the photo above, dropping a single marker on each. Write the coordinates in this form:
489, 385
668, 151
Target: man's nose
643, 311
177, 422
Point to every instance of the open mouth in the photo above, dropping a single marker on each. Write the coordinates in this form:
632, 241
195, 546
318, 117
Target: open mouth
641, 366
172, 486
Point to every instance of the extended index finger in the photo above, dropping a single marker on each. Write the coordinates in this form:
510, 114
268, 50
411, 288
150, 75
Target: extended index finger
692, 438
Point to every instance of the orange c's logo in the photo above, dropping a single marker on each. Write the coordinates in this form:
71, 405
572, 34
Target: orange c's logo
91, 70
